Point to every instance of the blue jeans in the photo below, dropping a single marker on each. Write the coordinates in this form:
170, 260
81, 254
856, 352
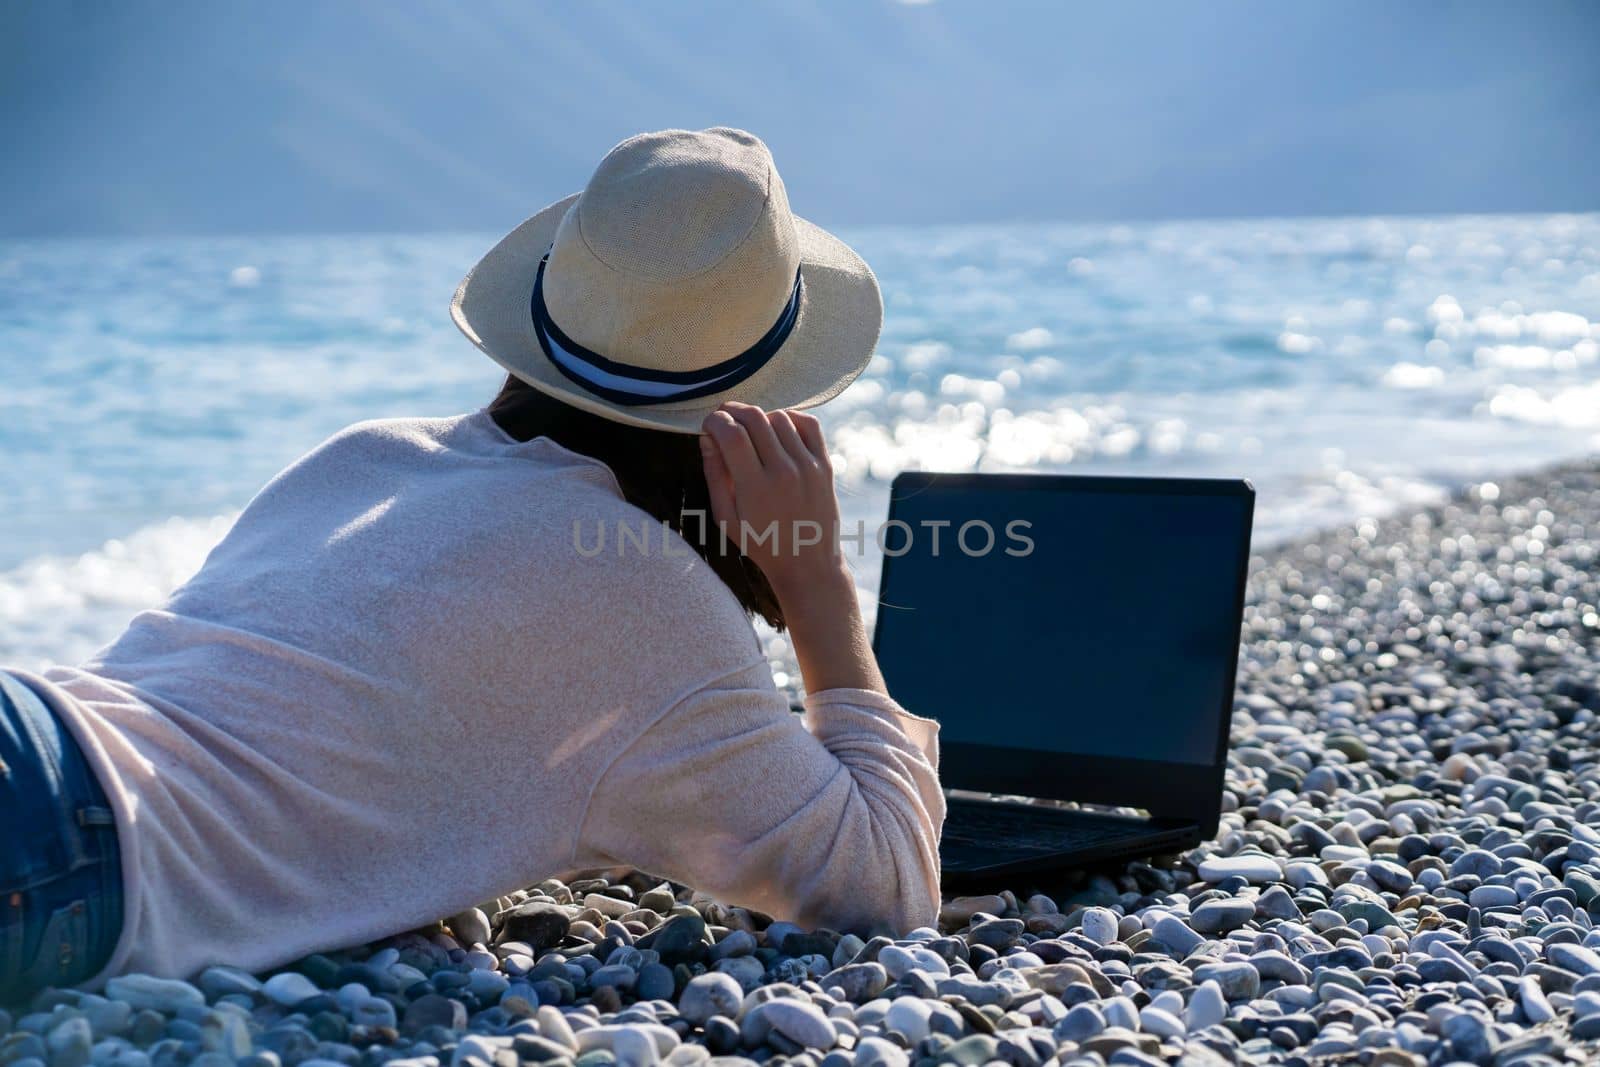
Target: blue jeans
60, 871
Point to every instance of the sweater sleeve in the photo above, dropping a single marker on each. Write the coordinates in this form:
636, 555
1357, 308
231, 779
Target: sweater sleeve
830, 819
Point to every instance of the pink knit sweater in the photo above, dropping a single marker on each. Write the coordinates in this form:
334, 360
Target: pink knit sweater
398, 689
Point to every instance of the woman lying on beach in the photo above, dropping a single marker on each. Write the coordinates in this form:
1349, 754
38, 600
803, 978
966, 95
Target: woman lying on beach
439, 659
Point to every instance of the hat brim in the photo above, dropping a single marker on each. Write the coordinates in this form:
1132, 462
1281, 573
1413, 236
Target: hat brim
841, 313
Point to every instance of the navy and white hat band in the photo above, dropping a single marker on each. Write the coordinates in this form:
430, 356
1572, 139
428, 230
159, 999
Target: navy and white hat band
632, 386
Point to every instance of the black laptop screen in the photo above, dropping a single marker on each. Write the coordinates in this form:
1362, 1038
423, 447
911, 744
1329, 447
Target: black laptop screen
1099, 623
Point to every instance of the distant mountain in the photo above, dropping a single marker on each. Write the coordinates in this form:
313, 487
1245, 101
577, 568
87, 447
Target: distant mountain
200, 116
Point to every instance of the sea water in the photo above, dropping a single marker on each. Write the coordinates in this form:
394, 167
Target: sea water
1348, 367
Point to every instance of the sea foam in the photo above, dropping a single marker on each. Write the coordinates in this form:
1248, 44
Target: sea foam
60, 609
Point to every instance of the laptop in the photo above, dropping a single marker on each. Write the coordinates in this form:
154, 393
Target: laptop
1076, 638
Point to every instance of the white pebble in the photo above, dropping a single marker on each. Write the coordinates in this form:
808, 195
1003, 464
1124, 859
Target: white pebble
1207, 1006
1249, 866
1100, 925
1161, 1023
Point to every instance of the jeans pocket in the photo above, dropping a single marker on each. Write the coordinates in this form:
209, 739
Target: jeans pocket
58, 960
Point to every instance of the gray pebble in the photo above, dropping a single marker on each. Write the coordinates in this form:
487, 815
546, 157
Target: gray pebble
859, 981
899, 961
800, 1021
737, 943
1080, 1024
1171, 931
471, 927
1238, 981
1276, 903
876, 1052
655, 982
70, 1043
1220, 916
1574, 958
710, 995
167, 995
289, 988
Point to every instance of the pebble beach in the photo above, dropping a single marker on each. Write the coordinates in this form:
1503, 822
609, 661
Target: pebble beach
1407, 874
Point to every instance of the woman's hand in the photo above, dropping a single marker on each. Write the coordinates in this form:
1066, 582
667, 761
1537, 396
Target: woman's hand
772, 491
772, 495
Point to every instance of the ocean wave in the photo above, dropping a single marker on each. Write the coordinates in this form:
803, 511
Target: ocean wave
60, 609
1347, 366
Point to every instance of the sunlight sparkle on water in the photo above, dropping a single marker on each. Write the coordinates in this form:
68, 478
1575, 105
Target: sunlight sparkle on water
156, 385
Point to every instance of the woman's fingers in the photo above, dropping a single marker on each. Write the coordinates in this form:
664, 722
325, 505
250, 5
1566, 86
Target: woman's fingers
762, 436
810, 431
789, 438
733, 442
719, 483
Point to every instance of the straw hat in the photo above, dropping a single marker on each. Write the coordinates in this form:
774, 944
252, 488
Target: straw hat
677, 280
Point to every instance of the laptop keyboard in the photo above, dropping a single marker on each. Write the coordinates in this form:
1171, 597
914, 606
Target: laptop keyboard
1020, 829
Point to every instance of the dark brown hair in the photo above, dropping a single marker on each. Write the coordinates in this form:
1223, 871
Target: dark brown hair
659, 471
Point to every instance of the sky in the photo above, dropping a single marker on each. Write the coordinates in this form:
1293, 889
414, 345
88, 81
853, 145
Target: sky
217, 116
